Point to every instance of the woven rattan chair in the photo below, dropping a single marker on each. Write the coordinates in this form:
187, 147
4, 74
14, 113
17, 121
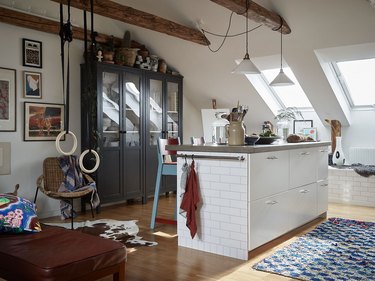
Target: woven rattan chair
50, 181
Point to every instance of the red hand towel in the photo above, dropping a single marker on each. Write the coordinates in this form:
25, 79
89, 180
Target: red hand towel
190, 201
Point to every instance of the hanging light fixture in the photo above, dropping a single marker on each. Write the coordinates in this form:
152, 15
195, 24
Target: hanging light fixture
246, 66
281, 79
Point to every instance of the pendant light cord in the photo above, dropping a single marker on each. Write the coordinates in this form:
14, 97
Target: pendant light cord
247, 28
227, 35
281, 40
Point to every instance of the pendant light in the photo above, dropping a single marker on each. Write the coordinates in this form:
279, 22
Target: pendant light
246, 66
281, 79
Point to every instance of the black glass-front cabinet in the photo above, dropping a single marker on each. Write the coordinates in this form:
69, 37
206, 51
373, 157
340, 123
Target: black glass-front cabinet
133, 108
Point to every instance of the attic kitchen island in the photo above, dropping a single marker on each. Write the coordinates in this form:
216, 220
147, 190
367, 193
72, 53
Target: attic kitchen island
251, 195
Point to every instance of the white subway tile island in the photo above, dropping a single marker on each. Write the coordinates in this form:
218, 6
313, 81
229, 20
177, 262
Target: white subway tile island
251, 195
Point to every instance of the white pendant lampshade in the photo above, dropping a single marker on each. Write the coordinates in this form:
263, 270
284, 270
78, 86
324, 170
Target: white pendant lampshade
281, 80
246, 66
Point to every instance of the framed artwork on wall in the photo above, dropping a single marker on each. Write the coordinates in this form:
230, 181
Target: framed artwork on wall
43, 121
32, 53
299, 125
310, 132
32, 85
7, 100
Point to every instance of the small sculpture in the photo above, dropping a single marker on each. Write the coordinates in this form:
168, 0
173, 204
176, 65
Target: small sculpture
100, 56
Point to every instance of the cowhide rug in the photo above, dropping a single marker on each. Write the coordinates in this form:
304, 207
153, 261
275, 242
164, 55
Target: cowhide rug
121, 231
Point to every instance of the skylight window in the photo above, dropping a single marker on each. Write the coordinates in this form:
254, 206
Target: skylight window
288, 96
357, 80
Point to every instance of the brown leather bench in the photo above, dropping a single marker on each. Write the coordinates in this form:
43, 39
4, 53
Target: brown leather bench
58, 254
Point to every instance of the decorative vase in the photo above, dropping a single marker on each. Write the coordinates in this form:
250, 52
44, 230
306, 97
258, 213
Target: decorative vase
236, 133
338, 157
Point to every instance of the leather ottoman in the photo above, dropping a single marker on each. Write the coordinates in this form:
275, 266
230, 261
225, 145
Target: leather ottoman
59, 254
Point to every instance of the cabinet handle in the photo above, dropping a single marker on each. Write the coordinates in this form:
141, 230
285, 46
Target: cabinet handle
271, 202
272, 158
305, 153
304, 191
324, 184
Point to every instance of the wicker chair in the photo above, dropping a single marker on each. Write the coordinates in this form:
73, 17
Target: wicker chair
50, 181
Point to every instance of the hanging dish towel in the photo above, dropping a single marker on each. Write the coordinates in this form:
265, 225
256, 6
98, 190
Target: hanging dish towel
190, 201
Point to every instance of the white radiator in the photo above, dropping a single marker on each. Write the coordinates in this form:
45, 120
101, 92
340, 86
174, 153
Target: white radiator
362, 155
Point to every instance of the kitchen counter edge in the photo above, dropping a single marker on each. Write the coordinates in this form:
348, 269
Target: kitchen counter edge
246, 148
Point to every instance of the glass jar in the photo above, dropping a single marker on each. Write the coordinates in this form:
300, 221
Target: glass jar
219, 132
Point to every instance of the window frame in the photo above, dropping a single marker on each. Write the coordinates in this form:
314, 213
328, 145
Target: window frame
344, 87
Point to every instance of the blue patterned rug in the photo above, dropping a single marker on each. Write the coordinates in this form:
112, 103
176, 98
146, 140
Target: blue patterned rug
338, 249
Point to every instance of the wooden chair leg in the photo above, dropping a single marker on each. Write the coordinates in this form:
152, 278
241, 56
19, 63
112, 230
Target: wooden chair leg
72, 214
92, 210
36, 194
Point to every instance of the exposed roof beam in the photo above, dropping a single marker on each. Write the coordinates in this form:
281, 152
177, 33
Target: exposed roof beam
256, 13
132, 16
42, 24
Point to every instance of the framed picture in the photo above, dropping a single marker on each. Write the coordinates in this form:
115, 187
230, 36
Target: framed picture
43, 121
32, 53
32, 85
299, 125
310, 132
7, 99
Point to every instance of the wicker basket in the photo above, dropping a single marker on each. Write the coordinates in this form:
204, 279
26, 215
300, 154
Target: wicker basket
128, 55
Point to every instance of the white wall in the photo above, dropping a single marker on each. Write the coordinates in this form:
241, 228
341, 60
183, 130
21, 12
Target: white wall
27, 157
192, 121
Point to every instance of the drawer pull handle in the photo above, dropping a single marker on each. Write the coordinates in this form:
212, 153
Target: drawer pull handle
304, 191
271, 202
272, 158
305, 153
324, 184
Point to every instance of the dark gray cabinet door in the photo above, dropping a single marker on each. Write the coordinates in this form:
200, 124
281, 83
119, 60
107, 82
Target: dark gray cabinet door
163, 120
109, 101
132, 127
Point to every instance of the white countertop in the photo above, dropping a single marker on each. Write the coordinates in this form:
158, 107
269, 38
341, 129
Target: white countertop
246, 148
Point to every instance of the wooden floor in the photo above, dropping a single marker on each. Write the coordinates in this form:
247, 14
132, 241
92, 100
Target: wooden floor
167, 262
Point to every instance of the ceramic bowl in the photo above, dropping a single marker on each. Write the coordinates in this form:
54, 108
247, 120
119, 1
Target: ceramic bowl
251, 140
267, 140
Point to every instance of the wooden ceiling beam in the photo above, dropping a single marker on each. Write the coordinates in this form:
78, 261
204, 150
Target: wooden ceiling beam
46, 25
132, 16
256, 13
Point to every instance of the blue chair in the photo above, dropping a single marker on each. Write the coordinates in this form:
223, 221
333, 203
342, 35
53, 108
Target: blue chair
166, 167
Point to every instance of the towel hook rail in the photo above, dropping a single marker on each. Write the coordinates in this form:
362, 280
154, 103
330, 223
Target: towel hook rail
195, 156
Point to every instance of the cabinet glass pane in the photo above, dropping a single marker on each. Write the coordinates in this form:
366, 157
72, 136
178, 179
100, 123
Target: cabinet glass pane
155, 111
110, 109
172, 109
132, 109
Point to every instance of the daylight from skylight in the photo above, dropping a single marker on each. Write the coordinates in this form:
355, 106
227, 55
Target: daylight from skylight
289, 96
359, 81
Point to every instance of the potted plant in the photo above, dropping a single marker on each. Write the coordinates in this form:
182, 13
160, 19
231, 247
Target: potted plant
109, 51
129, 54
283, 117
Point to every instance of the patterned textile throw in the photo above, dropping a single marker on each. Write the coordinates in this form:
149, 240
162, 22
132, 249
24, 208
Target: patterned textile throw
74, 181
338, 249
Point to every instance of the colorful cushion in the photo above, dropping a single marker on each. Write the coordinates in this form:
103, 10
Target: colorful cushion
17, 215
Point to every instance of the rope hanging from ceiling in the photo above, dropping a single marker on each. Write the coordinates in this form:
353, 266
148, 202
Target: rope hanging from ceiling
66, 36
